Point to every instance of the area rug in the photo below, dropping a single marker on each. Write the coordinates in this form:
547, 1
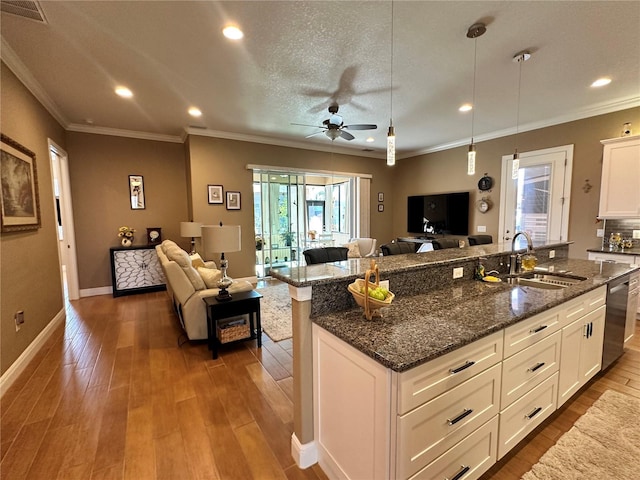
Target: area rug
275, 311
603, 444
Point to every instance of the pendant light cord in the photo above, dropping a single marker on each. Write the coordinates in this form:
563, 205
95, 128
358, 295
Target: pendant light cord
473, 94
520, 61
391, 79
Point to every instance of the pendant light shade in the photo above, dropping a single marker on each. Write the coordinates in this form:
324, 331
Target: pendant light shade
391, 146
520, 58
476, 30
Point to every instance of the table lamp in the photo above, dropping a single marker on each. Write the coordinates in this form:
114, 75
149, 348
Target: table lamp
191, 229
222, 239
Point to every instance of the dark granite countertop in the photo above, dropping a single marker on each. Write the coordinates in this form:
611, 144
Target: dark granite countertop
416, 329
626, 251
305, 276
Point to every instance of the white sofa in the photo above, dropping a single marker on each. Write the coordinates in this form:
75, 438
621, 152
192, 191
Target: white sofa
186, 286
361, 247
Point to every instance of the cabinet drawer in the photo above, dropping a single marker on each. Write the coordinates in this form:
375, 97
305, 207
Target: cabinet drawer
530, 367
468, 459
525, 414
431, 429
527, 332
583, 305
427, 381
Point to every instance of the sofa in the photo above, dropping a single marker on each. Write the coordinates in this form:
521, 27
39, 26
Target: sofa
189, 280
325, 254
361, 247
397, 248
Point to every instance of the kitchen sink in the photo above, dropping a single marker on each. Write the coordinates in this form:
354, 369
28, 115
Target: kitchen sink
546, 281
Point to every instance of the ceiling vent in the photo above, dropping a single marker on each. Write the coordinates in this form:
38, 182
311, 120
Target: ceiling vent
25, 9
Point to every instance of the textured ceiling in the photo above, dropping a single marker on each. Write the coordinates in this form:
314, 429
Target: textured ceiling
298, 57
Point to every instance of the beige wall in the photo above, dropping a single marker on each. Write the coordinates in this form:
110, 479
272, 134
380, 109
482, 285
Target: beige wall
30, 274
223, 162
100, 166
446, 172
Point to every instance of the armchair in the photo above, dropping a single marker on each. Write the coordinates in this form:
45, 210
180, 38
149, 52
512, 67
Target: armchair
367, 246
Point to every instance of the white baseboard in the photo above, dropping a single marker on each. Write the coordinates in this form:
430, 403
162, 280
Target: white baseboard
304, 455
14, 371
92, 292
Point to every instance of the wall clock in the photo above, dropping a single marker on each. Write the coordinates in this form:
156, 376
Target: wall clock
484, 205
485, 183
154, 235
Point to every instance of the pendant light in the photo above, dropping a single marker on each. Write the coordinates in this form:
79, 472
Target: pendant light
520, 58
476, 30
391, 135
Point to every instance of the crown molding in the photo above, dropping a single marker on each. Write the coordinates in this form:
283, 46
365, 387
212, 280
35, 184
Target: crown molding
11, 59
117, 132
203, 132
591, 111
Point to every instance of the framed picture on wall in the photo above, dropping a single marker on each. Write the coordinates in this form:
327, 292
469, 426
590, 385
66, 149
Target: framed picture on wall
19, 193
233, 200
214, 193
136, 192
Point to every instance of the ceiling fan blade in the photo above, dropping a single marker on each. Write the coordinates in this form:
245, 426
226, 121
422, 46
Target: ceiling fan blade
361, 126
314, 134
346, 135
307, 125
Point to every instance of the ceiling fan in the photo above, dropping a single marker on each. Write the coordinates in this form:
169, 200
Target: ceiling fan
333, 127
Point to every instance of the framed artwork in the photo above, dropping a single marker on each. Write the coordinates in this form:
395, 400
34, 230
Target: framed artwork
233, 200
380, 207
214, 193
154, 235
136, 192
19, 193
380, 196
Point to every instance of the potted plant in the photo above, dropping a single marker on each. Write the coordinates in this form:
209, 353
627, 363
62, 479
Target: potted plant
259, 242
287, 238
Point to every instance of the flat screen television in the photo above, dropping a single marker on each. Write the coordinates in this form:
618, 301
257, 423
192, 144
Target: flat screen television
445, 213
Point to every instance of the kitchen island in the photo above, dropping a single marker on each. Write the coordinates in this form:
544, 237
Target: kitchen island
432, 316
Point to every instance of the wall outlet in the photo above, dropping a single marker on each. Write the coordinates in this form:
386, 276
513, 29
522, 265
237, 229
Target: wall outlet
552, 254
19, 317
600, 232
636, 234
482, 228
458, 272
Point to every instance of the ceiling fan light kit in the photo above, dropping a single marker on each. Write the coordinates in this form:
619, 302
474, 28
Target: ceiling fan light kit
476, 30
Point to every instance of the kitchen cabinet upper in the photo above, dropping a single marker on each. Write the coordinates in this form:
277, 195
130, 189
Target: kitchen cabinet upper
620, 188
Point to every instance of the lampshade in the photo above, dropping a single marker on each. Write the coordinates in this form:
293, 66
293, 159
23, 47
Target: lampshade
190, 229
221, 238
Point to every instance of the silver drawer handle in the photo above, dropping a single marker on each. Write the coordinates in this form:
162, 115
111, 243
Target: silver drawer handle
465, 413
535, 411
535, 367
468, 363
460, 474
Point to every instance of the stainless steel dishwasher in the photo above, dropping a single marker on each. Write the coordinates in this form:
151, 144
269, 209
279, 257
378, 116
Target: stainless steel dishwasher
615, 320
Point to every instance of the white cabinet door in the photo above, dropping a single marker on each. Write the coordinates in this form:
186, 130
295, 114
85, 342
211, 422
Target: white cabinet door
592, 344
620, 185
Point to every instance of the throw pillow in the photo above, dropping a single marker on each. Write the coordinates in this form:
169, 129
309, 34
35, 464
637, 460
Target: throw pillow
354, 250
210, 276
196, 260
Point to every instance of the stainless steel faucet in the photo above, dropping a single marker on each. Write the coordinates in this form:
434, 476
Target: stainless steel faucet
515, 265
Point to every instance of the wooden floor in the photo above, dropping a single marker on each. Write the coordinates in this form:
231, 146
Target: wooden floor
112, 395
622, 376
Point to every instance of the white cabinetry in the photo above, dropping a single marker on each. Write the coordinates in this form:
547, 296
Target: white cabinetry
582, 342
620, 186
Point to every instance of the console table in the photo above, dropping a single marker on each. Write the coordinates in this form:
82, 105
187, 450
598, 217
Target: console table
241, 303
135, 270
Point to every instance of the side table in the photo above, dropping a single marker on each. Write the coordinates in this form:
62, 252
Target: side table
241, 303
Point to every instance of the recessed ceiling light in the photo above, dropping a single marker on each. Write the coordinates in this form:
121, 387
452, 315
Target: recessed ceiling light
466, 107
232, 32
370, 139
195, 112
601, 82
124, 92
